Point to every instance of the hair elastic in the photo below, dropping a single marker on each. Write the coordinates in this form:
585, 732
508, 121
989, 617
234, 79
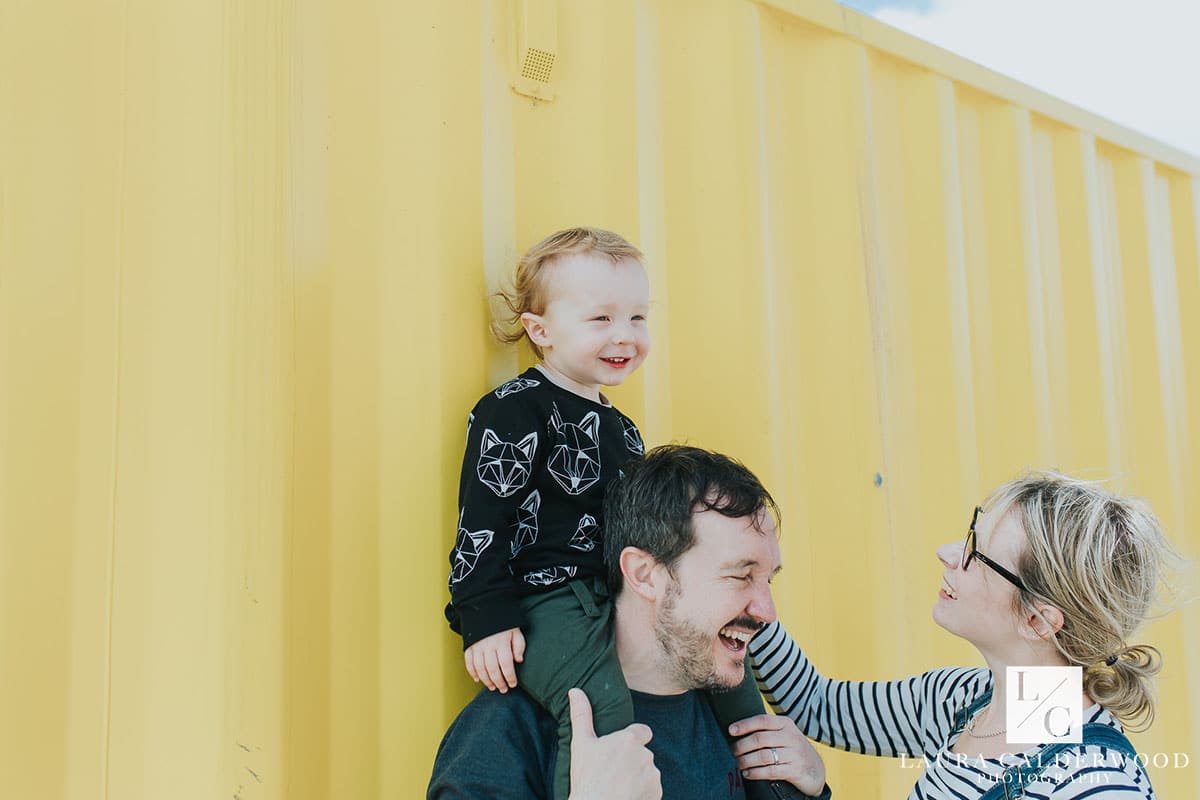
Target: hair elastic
1110, 660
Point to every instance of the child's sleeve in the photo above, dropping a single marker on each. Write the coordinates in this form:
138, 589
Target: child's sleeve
505, 440
911, 717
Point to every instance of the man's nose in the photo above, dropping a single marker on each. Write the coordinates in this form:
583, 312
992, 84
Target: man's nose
762, 604
950, 554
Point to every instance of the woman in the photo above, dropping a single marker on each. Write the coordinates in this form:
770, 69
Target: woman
1053, 572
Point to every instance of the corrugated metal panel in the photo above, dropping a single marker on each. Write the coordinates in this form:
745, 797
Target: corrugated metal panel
243, 254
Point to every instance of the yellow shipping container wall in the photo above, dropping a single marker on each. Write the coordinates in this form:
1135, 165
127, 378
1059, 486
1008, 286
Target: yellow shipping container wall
244, 254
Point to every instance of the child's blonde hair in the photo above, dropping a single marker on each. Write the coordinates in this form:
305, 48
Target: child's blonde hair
1100, 559
528, 292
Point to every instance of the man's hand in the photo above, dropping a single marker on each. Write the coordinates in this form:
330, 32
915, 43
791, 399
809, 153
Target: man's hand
616, 766
491, 659
772, 748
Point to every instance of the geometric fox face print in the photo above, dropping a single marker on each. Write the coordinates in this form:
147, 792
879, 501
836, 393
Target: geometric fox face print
503, 466
527, 522
467, 548
633, 439
550, 576
575, 460
514, 386
586, 534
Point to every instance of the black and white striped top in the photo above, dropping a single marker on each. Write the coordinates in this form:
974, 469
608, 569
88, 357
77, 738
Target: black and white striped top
914, 717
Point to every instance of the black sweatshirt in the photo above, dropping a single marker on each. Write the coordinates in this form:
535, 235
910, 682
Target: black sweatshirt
531, 498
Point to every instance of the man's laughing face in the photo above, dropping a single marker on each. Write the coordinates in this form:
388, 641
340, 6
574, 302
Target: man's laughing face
719, 597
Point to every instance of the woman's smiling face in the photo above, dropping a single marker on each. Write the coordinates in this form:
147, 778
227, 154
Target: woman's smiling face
977, 603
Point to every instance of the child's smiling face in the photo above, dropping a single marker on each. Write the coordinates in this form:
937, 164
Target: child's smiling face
593, 332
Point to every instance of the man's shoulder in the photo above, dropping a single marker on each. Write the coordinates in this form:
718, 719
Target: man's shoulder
498, 743
514, 717
515, 708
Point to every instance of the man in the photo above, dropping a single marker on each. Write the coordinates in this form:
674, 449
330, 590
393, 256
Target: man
691, 548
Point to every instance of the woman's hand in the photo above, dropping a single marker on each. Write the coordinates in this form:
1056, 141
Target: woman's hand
771, 748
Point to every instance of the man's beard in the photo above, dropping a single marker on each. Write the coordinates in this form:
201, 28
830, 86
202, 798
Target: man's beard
689, 649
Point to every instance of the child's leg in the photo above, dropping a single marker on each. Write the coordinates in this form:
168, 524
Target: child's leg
569, 643
729, 707
744, 701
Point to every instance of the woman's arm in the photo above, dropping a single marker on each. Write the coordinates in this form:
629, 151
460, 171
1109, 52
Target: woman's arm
910, 717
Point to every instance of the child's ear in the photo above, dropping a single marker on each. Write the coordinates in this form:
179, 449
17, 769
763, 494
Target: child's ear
638, 569
535, 329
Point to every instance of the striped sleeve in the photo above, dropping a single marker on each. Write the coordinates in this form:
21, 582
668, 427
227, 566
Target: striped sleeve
908, 717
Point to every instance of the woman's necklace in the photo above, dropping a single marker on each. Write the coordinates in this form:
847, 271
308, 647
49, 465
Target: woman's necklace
971, 730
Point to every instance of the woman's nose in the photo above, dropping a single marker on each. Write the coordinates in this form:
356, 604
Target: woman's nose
949, 553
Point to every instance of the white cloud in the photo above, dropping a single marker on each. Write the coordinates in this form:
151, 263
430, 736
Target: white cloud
1136, 62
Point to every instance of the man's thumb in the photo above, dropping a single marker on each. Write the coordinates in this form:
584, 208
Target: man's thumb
581, 715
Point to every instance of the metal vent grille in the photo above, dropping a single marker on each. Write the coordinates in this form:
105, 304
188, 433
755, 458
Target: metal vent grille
538, 65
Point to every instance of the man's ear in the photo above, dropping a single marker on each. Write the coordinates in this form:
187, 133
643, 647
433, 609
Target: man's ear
640, 575
1043, 622
535, 329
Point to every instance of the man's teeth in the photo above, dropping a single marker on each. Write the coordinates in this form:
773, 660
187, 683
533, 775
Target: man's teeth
741, 636
946, 588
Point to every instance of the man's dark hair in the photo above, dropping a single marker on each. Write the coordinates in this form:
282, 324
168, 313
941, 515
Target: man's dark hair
650, 507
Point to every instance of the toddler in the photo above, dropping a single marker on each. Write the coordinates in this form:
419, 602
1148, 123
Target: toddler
527, 575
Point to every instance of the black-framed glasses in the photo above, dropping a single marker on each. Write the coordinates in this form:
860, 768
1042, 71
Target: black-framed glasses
970, 553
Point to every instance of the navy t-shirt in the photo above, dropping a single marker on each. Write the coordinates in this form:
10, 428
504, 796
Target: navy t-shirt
690, 749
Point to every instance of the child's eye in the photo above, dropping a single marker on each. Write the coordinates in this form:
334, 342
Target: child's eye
601, 318
639, 318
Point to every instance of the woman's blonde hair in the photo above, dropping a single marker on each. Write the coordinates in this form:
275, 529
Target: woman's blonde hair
1099, 559
529, 289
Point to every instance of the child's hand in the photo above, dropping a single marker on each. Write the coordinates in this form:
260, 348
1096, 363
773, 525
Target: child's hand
491, 659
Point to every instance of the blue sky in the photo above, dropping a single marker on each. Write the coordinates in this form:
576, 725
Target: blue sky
871, 6
1134, 63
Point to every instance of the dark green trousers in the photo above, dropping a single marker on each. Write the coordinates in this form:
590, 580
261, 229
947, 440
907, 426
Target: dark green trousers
570, 642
